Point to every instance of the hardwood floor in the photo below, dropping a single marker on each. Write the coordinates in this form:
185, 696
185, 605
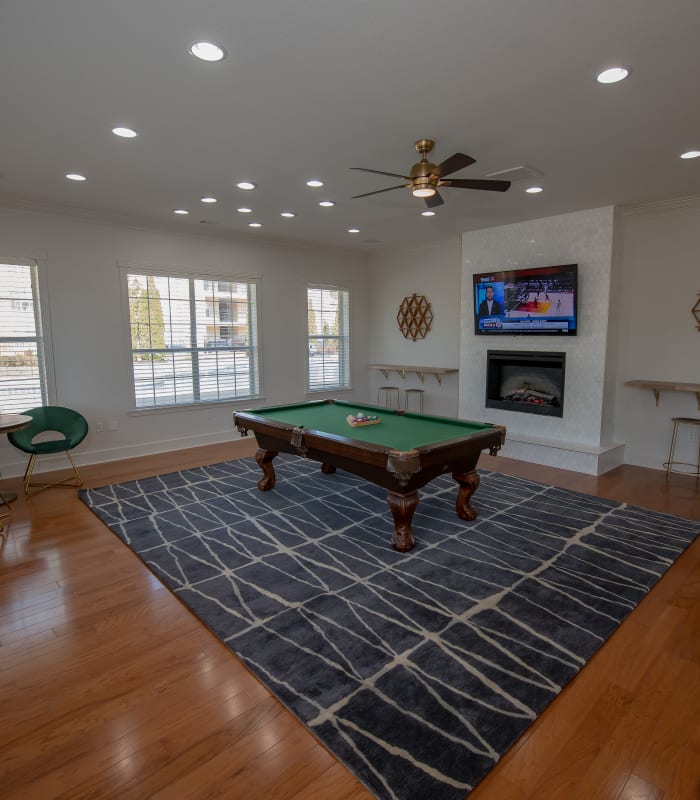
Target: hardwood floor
110, 688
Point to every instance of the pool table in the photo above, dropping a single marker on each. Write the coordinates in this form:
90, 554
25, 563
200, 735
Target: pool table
402, 453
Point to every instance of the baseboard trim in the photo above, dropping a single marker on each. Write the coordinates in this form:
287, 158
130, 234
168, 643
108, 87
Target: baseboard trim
14, 469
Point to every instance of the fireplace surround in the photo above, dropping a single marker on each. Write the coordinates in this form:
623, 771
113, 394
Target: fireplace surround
526, 381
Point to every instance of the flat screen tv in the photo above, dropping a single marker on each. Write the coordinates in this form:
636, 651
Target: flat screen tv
540, 300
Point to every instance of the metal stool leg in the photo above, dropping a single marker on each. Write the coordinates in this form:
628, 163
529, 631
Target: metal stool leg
389, 393
408, 393
671, 463
672, 448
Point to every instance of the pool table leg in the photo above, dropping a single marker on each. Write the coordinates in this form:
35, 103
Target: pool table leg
402, 508
327, 469
264, 459
468, 484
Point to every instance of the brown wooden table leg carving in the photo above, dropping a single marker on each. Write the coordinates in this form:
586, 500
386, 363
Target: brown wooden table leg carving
468, 484
402, 508
327, 469
264, 459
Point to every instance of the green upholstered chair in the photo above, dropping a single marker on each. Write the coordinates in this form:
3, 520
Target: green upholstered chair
72, 427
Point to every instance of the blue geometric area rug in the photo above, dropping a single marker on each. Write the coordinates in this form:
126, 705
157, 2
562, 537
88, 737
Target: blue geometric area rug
417, 670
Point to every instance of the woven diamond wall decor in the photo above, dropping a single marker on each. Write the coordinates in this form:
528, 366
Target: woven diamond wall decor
415, 317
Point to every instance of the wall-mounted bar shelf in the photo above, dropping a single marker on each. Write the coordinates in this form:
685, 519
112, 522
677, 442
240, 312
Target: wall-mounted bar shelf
421, 372
667, 386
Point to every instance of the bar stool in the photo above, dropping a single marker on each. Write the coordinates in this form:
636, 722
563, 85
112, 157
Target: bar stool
670, 464
409, 393
388, 394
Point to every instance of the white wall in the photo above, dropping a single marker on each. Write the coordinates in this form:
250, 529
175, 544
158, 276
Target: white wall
432, 272
658, 283
90, 337
584, 238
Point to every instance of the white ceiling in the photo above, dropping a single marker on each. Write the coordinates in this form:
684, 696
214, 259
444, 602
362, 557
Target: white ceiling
313, 87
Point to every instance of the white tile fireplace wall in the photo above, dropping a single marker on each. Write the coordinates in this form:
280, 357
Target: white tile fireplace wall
576, 441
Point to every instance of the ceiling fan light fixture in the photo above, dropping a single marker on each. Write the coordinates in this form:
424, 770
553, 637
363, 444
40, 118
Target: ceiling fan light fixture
423, 191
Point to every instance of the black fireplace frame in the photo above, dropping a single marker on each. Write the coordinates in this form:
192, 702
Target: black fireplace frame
534, 358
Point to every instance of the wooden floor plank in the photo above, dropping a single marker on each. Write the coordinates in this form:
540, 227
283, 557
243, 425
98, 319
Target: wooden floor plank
110, 687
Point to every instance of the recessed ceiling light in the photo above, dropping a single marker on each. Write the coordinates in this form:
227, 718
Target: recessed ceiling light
181, 211
691, 154
613, 75
255, 225
427, 213
74, 176
244, 210
534, 190
314, 183
247, 185
288, 214
125, 133
208, 51
208, 199
353, 230
327, 203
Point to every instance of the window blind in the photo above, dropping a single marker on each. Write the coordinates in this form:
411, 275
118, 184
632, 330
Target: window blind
328, 316
22, 362
193, 340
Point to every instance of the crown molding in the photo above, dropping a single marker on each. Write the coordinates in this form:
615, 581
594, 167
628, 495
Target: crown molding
660, 206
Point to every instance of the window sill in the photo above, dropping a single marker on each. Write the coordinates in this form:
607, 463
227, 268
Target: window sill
139, 412
327, 389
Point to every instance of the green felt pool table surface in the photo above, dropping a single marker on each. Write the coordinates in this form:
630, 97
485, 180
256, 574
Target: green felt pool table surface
399, 431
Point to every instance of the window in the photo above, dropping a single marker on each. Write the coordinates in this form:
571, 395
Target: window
328, 338
22, 360
181, 353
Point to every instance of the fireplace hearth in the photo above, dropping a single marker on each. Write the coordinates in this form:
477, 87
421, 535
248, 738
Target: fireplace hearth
530, 382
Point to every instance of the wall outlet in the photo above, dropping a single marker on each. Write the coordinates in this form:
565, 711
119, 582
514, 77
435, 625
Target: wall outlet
113, 425
693, 434
99, 427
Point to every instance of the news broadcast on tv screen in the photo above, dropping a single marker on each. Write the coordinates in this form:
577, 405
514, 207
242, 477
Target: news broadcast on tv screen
526, 301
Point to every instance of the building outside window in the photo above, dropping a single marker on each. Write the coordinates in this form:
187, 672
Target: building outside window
23, 383
192, 340
328, 341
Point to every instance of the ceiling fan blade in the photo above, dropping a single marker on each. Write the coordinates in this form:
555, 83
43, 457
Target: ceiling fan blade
434, 201
378, 172
379, 191
476, 183
454, 163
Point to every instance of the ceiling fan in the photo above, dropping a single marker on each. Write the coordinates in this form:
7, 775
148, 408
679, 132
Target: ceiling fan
426, 178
